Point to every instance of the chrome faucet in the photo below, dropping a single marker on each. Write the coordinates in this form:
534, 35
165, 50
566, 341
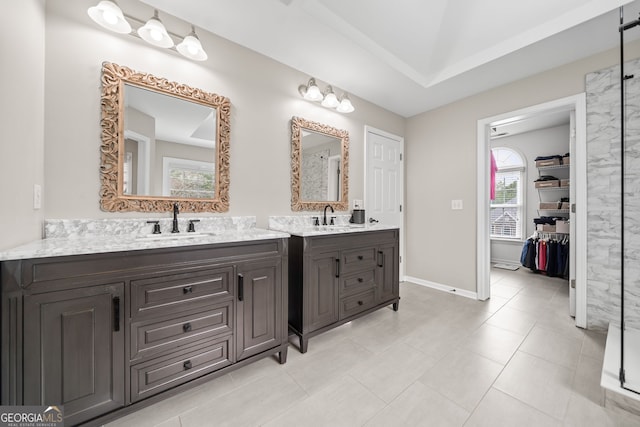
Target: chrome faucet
176, 211
324, 217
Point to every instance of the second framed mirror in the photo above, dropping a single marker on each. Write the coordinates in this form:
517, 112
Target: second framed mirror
319, 166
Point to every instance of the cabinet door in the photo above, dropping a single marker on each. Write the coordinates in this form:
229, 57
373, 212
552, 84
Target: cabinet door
388, 274
74, 350
259, 307
321, 290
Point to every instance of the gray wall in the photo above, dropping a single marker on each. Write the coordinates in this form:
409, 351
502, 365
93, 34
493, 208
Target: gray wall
22, 50
443, 143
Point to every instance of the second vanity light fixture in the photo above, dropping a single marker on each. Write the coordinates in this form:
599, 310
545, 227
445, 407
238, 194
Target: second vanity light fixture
327, 98
110, 16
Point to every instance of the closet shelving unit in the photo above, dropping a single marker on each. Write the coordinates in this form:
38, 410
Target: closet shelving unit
553, 194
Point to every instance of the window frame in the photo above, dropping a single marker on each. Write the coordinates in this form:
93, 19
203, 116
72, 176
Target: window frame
184, 164
521, 206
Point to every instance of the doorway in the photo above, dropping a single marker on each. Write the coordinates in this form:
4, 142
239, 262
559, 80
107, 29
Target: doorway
576, 104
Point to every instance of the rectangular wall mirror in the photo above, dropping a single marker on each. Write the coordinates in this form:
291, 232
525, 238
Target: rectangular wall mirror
319, 166
162, 142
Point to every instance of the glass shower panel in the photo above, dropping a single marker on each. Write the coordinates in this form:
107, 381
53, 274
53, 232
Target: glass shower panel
631, 228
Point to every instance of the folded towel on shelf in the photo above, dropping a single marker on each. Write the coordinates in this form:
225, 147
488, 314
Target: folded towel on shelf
546, 178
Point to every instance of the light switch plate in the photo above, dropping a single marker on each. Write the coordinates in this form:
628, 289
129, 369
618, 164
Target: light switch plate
37, 196
456, 205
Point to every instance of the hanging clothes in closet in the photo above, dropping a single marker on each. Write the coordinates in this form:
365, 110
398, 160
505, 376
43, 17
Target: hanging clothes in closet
546, 255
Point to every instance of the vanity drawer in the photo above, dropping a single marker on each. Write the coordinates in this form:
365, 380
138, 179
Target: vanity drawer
181, 291
154, 337
357, 259
357, 303
357, 282
159, 374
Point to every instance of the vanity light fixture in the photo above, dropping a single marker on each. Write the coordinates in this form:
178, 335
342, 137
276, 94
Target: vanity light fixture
328, 98
310, 91
154, 32
191, 47
108, 15
345, 104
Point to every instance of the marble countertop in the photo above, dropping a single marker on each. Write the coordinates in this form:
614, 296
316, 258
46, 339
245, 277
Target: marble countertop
52, 247
321, 230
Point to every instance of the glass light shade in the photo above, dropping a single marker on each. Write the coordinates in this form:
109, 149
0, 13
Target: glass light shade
191, 48
153, 32
108, 15
345, 105
313, 91
330, 99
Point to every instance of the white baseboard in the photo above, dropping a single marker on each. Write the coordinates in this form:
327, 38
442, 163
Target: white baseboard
505, 261
440, 287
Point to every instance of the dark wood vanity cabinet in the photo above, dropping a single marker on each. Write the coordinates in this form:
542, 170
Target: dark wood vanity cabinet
336, 278
104, 334
73, 347
260, 308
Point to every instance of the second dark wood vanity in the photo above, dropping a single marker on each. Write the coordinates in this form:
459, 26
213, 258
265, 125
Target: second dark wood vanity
336, 278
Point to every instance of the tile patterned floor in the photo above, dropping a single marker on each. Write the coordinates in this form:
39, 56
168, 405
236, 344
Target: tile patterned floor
442, 360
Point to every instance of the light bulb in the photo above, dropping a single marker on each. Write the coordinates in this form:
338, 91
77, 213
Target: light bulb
110, 17
155, 34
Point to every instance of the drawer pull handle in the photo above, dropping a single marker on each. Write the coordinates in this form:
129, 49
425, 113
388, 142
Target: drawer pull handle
116, 314
240, 287
337, 267
360, 257
187, 290
186, 327
360, 303
187, 365
380, 259
360, 279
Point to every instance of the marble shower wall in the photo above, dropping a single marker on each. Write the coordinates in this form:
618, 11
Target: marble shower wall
315, 169
604, 200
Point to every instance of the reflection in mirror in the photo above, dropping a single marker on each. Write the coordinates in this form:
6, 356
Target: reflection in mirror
162, 142
169, 146
319, 166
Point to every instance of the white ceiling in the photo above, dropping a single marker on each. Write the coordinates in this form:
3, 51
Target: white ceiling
410, 56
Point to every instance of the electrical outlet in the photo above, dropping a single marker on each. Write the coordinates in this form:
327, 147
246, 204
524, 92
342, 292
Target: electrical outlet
456, 205
37, 196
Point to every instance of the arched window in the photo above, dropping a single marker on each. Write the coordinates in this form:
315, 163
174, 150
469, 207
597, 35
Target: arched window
507, 209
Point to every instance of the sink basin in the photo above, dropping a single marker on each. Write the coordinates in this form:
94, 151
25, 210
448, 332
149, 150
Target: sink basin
173, 236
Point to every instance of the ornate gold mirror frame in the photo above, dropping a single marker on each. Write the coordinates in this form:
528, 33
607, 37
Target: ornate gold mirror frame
297, 203
112, 198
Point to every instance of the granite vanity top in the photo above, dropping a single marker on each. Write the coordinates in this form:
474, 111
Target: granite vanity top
81, 237
302, 225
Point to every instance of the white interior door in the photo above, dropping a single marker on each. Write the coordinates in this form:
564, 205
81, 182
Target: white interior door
384, 180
